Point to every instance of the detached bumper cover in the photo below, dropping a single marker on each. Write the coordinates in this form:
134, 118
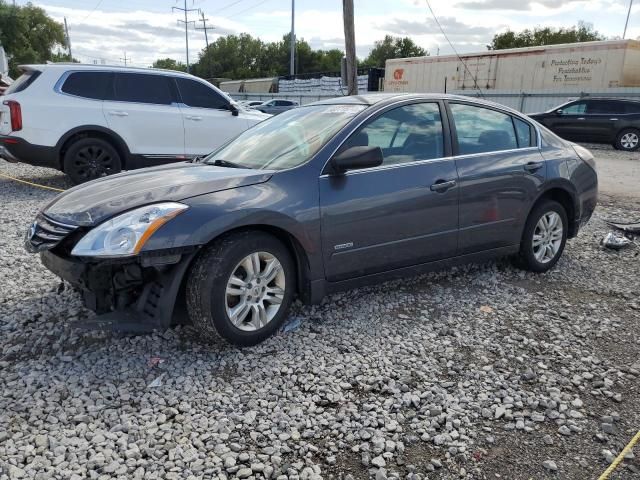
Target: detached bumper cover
142, 290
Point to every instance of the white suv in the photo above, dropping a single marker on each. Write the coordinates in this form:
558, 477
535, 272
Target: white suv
90, 121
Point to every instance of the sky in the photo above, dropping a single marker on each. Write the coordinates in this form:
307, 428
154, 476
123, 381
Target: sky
103, 30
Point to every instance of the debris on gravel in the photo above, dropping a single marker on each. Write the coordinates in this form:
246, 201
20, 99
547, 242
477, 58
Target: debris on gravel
475, 372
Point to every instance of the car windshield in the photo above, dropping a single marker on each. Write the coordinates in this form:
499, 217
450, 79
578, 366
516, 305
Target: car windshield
287, 140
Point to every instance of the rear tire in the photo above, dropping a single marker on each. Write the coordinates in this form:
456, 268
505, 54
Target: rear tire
628, 140
544, 237
241, 287
90, 158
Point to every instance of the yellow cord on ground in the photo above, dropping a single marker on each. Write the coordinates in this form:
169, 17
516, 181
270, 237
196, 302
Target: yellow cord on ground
32, 184
620, 457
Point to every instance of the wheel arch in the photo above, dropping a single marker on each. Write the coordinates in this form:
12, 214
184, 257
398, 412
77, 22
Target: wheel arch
565, 195
289, 240
92, 131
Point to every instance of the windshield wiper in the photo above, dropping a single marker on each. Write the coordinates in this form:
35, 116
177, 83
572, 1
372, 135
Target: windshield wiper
226, 163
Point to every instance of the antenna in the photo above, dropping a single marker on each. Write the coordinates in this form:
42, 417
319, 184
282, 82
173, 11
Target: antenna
464, 64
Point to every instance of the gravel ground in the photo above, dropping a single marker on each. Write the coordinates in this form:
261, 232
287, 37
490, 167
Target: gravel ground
477, 372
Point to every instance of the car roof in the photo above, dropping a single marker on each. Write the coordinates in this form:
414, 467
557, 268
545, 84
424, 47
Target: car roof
613, 99
64, 66
380, 99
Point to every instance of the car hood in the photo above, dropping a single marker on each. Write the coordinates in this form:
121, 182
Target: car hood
94, 202
254, 115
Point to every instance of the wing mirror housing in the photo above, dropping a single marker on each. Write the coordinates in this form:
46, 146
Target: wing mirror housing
235, 111
559, 111
356, 158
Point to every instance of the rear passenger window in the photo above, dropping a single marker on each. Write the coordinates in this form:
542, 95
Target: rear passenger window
195, 94
482, 130
22, 82
405, 134
605, 107
523, 132
143, 88
87, 84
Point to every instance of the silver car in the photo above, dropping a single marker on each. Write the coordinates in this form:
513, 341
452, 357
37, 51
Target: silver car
275, 107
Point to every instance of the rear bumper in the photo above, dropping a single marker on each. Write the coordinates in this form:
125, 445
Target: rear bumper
16, 149
143, 289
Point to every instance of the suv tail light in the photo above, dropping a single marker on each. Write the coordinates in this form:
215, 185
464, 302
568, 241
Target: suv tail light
16, 114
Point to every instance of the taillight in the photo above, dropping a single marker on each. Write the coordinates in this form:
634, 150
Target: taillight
16, 114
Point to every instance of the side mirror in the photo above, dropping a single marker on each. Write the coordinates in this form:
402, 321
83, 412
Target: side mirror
355, 158
234, 109
559, 111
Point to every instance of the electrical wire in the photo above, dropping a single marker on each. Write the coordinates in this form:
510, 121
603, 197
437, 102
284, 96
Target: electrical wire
94, 9
247, 9
464, 64
228, 5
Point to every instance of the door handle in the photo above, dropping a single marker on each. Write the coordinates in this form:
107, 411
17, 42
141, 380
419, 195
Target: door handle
533, 166
614, 119
118, 113
442, 186
581, 118
193, 117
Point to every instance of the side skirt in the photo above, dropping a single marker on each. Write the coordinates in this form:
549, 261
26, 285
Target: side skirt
321, 288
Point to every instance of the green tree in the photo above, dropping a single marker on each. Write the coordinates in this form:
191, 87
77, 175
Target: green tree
170, 64
28, 35
393, 47
539, 36
62, 56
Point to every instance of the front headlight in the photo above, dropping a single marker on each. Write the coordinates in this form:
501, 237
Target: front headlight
126, 234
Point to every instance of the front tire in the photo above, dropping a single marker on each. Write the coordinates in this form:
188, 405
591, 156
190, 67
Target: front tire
241, 287
628, 140
90, 158
544, 237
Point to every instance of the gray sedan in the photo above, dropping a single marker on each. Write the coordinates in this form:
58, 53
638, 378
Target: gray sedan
323, 198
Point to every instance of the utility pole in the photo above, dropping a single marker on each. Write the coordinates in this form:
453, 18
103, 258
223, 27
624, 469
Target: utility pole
66, 31
206, 39
125, 59
350, 46
292, 59
186, 26
627, 22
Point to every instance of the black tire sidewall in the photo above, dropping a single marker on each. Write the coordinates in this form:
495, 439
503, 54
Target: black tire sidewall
618, 143
212, 292
72, 151
528, 259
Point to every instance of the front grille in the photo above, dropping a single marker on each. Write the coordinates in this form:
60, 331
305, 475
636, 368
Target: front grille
45, 234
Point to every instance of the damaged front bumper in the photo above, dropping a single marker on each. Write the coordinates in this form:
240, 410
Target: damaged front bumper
137, 293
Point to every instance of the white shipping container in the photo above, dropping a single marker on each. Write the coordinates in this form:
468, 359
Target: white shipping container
588, 65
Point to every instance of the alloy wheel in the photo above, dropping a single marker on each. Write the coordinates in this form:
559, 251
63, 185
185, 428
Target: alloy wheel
547, 237
629, 140
255, 291
93, 162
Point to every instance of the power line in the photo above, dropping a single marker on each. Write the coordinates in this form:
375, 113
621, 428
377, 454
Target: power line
230, 5
125, 59
464, 64
247, 9
94, 9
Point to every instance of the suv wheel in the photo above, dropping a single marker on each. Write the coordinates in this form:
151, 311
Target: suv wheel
628, 139
90, 158
241, 288
544, 237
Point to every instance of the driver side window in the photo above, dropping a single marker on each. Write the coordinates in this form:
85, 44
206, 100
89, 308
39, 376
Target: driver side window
579, 108
405, 134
